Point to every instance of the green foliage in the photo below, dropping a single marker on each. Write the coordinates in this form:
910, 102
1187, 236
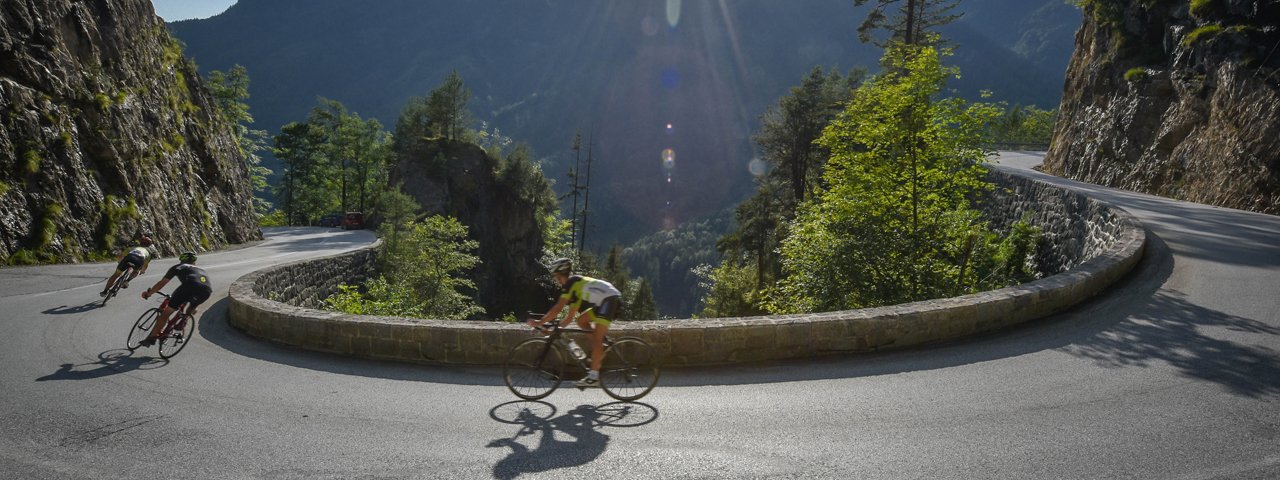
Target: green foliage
23, 257
336, 161
1206, 8
1136, 74
667, 260
917, 27
1201, 34
46, 226
274, 218
615, 271
731, 289
379, 298
4, 188
1023, 125
114, 211
894, 224
230, 92
102, 101
640, 304
422, 264
446, 108
31, 161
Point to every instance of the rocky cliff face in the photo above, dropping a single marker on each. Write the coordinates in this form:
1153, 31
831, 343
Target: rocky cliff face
106, 132
458, 179
1175, 98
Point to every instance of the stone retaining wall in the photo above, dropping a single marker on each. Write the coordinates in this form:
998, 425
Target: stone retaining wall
1099, 245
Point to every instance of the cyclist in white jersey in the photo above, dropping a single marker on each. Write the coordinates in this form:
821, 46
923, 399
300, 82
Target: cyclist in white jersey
138, 257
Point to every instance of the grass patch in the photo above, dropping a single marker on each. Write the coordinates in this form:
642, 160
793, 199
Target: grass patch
23, 257
1201, 34
31, 161
114, 212
4, 188
1205, 8
103, 101
1135, 75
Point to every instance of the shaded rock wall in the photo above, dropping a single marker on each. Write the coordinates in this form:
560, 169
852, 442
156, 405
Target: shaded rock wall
106, 131
1166, 100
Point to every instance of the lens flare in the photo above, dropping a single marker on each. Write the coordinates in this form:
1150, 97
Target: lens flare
649, 26
757, 167
670, 129
670, 78
673, 13
668, 160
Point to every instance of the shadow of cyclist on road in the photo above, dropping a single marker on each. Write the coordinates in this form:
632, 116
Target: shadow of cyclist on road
551, 452
109, 362
582, 425
64, 310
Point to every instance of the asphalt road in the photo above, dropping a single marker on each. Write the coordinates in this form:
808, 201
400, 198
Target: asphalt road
1174, 373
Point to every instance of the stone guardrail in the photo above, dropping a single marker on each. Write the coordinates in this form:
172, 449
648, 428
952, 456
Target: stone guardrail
1092, 244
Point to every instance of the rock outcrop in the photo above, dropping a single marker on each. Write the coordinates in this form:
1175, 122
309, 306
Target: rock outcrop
106, 131
1175, 98
460, 180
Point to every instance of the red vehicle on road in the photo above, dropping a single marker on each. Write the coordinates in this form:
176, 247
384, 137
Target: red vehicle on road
353, 221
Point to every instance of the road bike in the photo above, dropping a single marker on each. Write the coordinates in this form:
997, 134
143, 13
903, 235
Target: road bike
535, 367
176, 334
120, 282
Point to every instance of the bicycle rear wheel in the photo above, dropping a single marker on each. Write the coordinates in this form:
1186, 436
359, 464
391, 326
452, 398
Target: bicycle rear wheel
113, 289
630, 369
534, 369
141, 329
177, 335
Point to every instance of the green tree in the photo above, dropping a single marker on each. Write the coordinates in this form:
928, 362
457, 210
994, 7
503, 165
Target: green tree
894, 224
615, 271
446, 108
423, 273
640, 305
230, 92
304, 189
731, 291
913, 23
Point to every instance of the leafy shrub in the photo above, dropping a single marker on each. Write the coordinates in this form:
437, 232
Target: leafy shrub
275, 218
23, 257
103, 101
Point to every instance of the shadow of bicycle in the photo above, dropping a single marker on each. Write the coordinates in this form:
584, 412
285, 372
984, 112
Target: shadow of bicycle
110, 362
547, 448
65, 310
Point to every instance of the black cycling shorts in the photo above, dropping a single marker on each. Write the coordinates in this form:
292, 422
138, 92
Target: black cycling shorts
129, 260
608, 310
194, 294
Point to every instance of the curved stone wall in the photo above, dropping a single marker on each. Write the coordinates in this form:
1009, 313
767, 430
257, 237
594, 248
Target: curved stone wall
1090, 243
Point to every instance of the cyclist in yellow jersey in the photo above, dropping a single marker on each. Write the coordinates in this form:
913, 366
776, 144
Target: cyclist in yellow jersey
139, 258
593, 302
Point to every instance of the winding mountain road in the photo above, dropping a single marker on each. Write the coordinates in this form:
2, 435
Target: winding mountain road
1173, 373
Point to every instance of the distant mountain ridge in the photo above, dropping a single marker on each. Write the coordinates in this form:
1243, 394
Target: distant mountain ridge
618, 71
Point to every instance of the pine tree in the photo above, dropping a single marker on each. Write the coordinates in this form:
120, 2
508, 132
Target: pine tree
641, 305
914, 23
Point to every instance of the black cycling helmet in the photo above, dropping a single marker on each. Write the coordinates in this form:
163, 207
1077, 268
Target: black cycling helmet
561, 266
187, 257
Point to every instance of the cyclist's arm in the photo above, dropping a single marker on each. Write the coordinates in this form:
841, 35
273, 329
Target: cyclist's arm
160, 284
145, 264
551, 314
568, 318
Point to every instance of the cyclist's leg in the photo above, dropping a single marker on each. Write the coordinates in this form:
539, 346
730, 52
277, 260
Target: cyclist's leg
602, 317
165, 314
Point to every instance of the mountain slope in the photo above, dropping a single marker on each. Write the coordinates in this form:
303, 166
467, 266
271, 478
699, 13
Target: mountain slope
618, 71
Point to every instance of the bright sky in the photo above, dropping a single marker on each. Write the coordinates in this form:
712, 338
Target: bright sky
174, 10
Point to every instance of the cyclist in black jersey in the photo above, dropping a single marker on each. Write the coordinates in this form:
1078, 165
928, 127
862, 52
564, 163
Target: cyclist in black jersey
195, 289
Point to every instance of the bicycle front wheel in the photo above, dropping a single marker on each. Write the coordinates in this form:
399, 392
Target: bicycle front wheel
630, 369
177, 336
141, 328
534, 369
